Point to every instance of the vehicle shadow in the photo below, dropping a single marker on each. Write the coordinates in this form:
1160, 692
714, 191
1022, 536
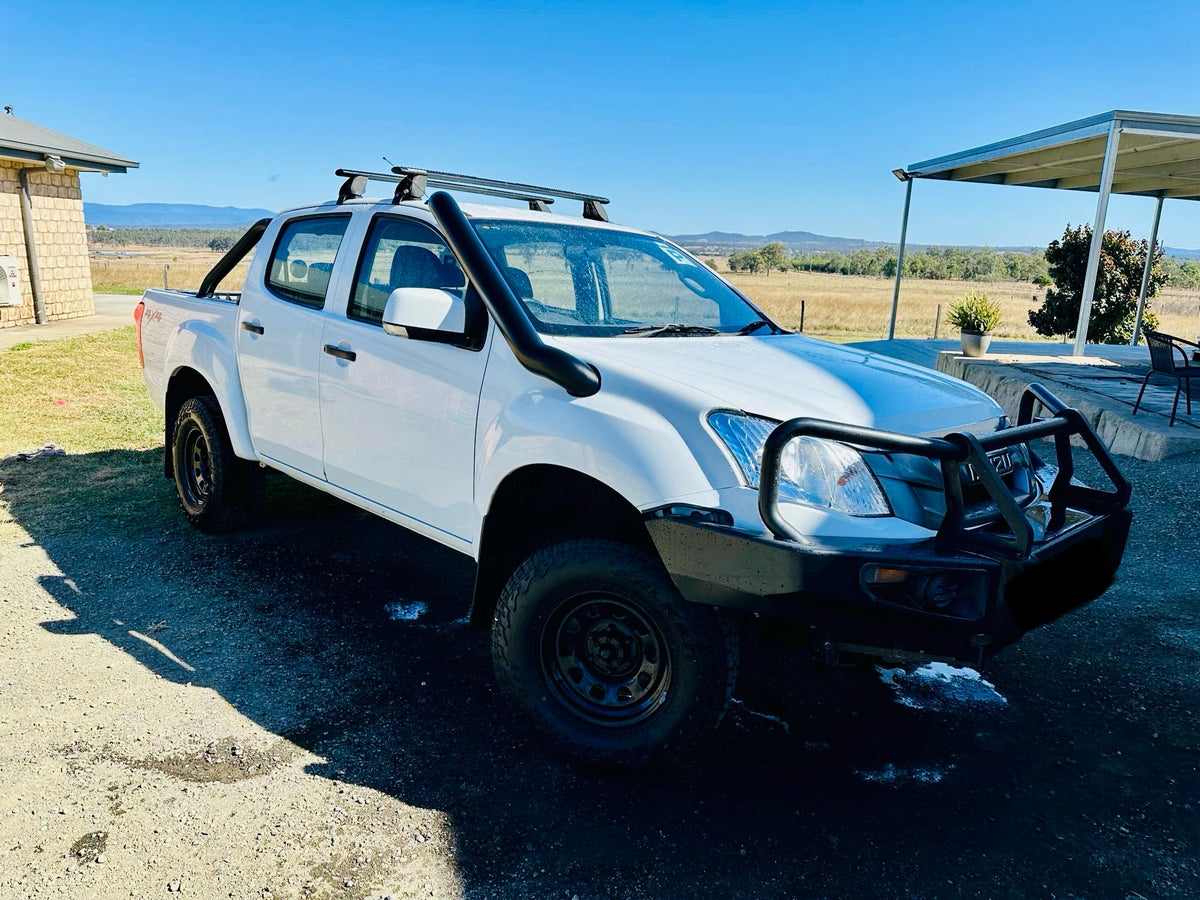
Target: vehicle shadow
818, 783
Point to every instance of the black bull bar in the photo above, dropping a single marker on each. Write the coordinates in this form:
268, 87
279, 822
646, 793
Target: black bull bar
955, 450
1011, 577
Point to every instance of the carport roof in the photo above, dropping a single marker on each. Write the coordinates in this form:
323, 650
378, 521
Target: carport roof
1158, 156
26, 141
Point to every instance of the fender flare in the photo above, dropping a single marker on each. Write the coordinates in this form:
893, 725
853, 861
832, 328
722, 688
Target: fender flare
204, 349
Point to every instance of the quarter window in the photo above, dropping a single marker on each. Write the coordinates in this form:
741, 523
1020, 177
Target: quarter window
303, 259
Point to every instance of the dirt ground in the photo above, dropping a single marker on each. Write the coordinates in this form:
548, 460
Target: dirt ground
271, 714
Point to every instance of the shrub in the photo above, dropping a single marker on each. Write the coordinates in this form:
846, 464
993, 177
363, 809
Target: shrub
976, 312
1118, 281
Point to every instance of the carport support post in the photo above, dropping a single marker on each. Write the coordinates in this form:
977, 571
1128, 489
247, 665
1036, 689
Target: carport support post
908, 179
1093, 263
1137, 319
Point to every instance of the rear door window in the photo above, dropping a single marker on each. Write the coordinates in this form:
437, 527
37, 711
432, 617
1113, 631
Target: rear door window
302, 263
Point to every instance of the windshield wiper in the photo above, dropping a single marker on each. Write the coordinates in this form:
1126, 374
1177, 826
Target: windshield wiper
752, 326
669, 328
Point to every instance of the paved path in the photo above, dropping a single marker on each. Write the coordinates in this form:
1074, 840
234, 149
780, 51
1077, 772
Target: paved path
112, 311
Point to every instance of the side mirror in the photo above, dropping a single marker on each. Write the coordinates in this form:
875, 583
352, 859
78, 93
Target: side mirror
426, 314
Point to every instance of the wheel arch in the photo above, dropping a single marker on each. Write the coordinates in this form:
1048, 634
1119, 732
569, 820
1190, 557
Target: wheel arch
539, 503
202, 360
184, 384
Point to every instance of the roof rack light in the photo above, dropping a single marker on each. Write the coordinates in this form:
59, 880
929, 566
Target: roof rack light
411, 184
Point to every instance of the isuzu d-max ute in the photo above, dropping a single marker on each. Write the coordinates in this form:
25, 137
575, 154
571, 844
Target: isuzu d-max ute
641, 464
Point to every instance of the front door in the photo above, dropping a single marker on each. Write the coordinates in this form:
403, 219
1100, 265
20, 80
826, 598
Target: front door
398, 414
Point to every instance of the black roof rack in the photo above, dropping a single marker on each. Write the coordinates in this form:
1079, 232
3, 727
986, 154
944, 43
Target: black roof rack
411, 184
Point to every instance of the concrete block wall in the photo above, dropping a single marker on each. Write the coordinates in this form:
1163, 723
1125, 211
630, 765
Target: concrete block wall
60, 239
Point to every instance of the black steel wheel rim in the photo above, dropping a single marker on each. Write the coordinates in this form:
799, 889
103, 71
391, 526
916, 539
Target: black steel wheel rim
605, 659
195, 464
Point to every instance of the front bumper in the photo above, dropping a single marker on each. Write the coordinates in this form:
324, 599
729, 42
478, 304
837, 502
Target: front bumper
987, 577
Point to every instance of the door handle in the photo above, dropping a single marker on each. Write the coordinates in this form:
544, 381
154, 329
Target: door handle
252, 327
348, 355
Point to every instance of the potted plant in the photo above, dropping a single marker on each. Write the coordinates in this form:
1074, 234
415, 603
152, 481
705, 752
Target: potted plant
976, 315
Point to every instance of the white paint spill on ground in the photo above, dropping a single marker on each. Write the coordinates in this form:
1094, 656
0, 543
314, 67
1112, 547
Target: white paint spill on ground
897, 775
405, 612
787, 729
940, 687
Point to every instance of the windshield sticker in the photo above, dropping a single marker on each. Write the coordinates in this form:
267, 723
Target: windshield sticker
677, 256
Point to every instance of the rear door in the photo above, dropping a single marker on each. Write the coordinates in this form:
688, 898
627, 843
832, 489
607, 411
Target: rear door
398, 413
280, 322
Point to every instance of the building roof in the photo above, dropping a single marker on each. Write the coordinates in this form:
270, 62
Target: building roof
22, 140
1158, 156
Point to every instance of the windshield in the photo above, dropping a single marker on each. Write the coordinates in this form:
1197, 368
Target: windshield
577, 280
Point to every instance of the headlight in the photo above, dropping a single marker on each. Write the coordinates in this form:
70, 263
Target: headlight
815, 472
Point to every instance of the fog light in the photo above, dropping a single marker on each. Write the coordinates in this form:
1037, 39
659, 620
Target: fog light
939, 591
959, 593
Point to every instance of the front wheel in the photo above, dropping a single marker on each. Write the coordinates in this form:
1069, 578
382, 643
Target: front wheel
217, 490
592, 641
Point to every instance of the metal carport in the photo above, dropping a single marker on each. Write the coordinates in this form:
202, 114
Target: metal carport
1122, 152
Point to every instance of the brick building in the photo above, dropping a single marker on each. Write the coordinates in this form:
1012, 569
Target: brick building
41, 218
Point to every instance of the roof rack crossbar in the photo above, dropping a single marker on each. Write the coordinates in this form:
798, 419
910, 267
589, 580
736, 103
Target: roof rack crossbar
411, 184
473, 180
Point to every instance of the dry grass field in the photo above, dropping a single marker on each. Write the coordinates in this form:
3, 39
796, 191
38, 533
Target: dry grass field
186, 268
837, 307
852, 308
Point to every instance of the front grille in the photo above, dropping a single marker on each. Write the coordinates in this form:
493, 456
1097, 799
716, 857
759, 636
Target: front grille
1013, 466
907, 478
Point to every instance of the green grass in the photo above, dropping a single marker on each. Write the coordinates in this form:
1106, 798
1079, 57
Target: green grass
85, 394
102, 288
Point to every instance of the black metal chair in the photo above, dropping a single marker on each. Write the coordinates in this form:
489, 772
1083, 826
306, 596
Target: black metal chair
1163, 349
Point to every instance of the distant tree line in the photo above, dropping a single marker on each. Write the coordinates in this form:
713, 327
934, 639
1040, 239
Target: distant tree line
212, 238
1181, 273
940, 263
958, 263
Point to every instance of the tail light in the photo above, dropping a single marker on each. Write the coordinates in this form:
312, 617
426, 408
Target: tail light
138, 312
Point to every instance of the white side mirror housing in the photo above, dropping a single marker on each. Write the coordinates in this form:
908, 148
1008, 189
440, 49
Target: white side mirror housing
425, 314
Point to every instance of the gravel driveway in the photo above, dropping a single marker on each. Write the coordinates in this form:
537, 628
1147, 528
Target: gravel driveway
300, 711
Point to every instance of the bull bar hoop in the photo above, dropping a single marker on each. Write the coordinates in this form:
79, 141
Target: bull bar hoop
958, 530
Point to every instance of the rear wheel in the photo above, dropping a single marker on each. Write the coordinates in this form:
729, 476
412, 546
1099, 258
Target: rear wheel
217, 490
592, 641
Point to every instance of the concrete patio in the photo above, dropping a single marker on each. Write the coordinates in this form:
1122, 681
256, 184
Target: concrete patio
1102, 384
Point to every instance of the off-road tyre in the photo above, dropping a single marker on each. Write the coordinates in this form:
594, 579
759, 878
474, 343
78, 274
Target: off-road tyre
217, 490
592, 642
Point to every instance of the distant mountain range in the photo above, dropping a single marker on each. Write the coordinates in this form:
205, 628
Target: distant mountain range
171, 215
725, 241
194, 215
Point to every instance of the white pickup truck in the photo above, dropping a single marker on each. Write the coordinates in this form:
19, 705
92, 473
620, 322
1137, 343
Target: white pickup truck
640, 462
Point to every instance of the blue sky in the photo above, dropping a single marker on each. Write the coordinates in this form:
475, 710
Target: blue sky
691, 117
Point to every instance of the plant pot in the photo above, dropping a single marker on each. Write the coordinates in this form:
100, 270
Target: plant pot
975, 343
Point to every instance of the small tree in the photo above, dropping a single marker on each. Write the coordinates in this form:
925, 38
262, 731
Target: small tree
774, 256
1118, 280
220, 244
744, 261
